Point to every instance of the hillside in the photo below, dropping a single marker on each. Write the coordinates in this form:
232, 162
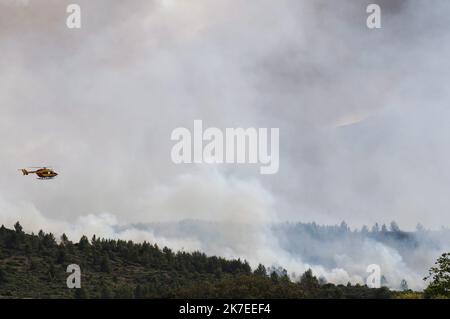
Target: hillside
34, 266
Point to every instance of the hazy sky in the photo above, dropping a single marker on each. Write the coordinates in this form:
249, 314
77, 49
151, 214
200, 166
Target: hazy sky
363, 114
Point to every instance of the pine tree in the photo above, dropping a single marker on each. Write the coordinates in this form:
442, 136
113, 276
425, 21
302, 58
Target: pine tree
260, 271
83, 244
308, 281
18, 228
49, 240
274, 277
61, 256
105, 264
64, 240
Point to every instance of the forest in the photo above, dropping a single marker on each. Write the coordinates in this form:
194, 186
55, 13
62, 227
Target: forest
34, 266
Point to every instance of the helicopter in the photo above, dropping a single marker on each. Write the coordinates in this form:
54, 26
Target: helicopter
41, 172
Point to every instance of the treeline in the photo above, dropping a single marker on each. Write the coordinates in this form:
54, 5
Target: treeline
381, 233
34, 266
343, 228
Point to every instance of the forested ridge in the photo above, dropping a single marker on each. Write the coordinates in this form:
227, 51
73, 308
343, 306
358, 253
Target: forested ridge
34, 266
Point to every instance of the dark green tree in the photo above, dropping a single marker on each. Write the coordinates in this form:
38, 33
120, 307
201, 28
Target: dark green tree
105, 264
49, 240
440, 278
83, 244
260, 271
64, 240
274, 277
18, 228
308, 281
61, 256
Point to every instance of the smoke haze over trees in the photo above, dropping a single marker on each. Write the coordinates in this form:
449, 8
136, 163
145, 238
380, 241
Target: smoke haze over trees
363, 118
